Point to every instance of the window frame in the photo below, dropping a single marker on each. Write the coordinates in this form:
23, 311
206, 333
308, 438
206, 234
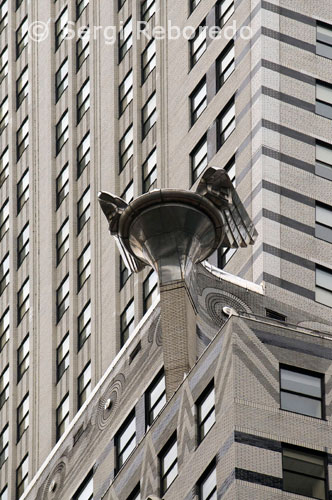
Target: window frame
23, 419
149, 295
150, 64
162, 458
323, 231
323, 108
23, 245
4, 386
63, 191
83, 487
150, 173
22, 37
83, 95
82, 49
79, 8
25, 194
23, 474
83, 392
4, 273
65, 418
62, 298
83, 273
119, 452
25, 304
25, 88
4, 218
146, 10
127, 327
126, 43
149, 118
198, 168
62, 357
62, 245
221, 79
61, 31
124, 151
197, 109
323, 169
150, 408
4, 444
4, 166
323, 41
61, 85
83, 154
4, 114
327, 271
22, 133
231, 124
4, 328
196, 54
126, 96
23, 363
83, 216
81, 329
212, 467
62, 131
220, 17
124, 272
209, 389
4, 64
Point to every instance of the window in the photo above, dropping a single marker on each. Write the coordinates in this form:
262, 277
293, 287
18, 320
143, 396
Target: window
121, 3
22, 476
83, 209
198, 159
324, 160
304, 472
149, 60
4, 113
124, 272
135, 494
127, 322
23, 244
148, 10
83, 100
84, 385
168, 464
84, 325
207, 485
205, 412
85, 491
324, 99
226, 122
4, 218
4, 443
82, 49
198, 101
62, 298
126, 92
23, 417
62, 416
80, 6
84, 266
4, 166
324, 40
275, 315
61, 28
22, 190
62, 357
149, 114
224, 255
150, 290
62, 185
150, 171
23, 300
62, 131
225, 9
225, 64
301, 392
83, 154
61, 79
197, 44
323, 228
18, 3
193, 5
126, 147
4, 329
3, 15
22, 87
62, 241
23, 358
22, 37
22, 138
324, 285
125, 39
4, 386
125, 440
3, 64
4, 273
128, 193
155, 398
4, 494
230, 169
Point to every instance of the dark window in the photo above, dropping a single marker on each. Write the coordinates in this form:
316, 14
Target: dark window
125, 440
150, 290
85, 491
4, 166
207, 484
4, 218
23, 417
121, 3
61, 28
22, 87
126, 91
23, 244
3, 64
80, 6
304, 472
324, 40
22, 190
82, 49
83, 100
149, 115
224, 256
323, 285
127, 322
149, 60
62, 357
135, 494
84, 385
84, 266
62, 298
225, 9
126, 147
198, 159
61, 79
150, 171
84, 325
83, 209
324, 99
22, 37
168, 459
62, 185
22, 138
4, 273
22, 473
62, 241
4, 444
124, 272
4, 329
193, 4
206, 416
198, 101
4, 386
225, 64
125, 39
323, 228
62, 416
301, 392
197, 44
62, 131
275, 315
23, 300
23, 355
18, 3
155, 398
324, 160
226, 122
83, 154
148, 9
